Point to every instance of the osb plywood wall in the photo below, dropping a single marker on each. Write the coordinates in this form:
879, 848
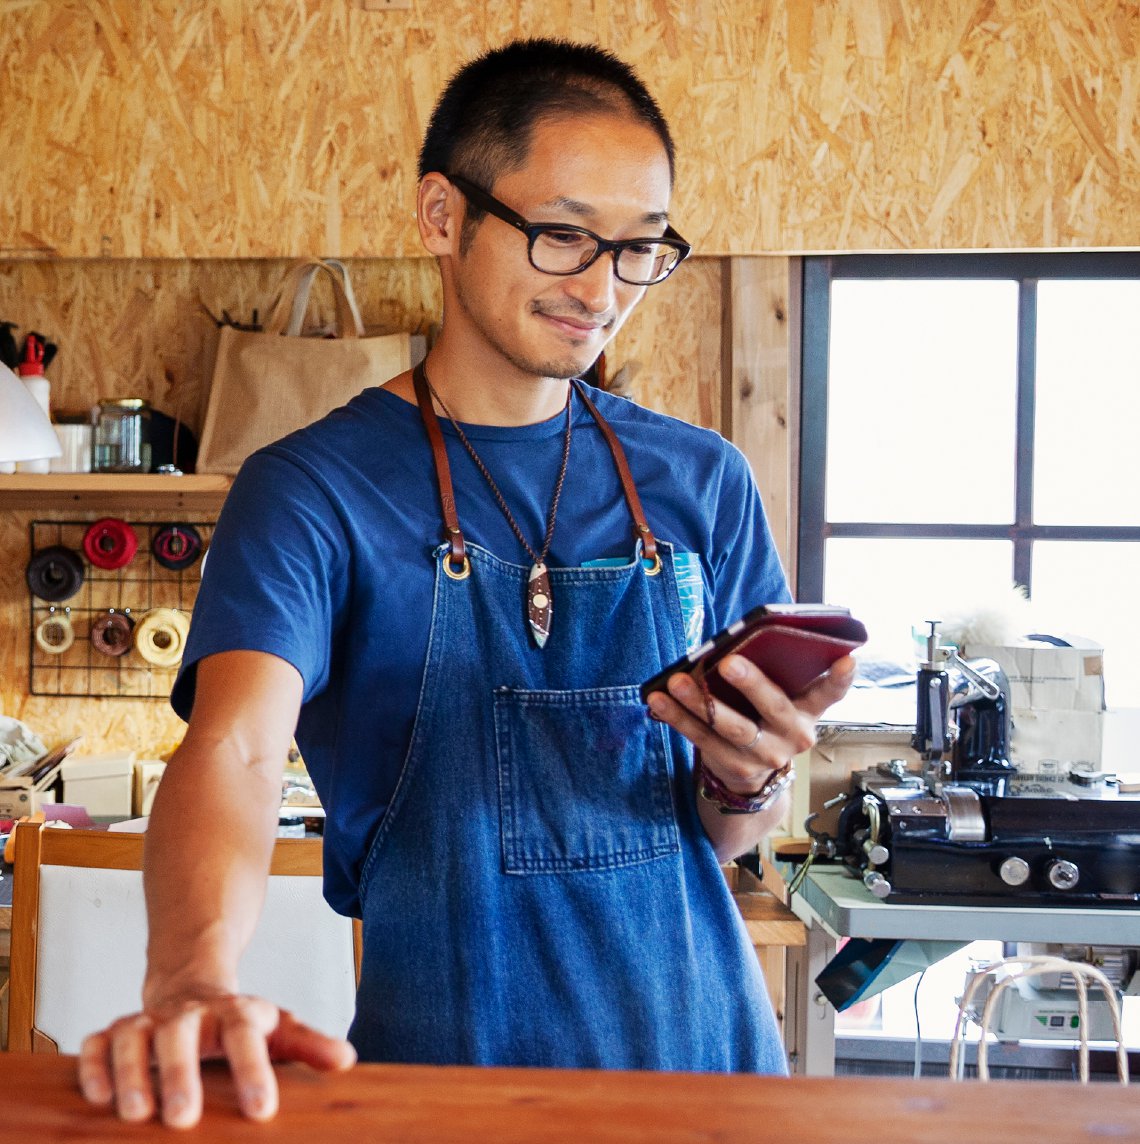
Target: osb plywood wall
140, 328
226, 128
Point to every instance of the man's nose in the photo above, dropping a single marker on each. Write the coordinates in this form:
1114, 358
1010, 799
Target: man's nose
595, 286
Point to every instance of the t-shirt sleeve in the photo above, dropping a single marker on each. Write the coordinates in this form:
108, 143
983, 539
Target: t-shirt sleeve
746, 566
275, 576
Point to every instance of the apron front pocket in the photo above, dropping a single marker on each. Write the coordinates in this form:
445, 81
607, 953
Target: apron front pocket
584, 781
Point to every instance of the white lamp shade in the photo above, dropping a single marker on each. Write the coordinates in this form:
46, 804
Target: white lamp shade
26, 434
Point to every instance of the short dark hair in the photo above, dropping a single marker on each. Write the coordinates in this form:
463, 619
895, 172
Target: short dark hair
481, 127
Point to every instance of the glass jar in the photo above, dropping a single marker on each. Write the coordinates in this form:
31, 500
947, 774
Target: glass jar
121, 439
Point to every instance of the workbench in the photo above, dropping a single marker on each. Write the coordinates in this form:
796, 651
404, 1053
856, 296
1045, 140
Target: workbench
832, 904
417, 1104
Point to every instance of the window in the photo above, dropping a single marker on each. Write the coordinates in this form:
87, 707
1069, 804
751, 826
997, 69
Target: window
970, 423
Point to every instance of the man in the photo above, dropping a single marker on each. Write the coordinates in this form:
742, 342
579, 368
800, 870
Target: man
453, 588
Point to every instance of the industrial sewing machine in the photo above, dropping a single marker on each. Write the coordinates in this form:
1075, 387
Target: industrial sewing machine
965, 827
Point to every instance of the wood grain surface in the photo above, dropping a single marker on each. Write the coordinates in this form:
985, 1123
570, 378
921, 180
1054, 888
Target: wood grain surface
228, 129
423, 1105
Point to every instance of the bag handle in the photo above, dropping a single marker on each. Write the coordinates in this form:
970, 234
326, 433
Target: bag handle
301, 297
293, 299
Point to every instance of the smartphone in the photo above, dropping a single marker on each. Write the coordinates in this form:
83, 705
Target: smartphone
793, 644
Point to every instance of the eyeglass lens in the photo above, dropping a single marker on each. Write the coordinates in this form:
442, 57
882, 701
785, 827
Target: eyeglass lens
567, 251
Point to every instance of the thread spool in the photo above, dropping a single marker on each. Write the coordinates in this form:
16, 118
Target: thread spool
54, 573
110, 543
160, 636
111, 633
176, 546
54, 633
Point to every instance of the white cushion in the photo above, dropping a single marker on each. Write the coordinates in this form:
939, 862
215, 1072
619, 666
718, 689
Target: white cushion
92, 952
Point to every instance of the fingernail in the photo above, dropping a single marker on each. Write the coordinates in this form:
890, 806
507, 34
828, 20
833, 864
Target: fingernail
253, 1101
132, 1106
656, 706
174, 1107
732, 669
96, 1092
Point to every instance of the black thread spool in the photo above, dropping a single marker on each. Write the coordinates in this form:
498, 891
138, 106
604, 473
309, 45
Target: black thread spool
55, 573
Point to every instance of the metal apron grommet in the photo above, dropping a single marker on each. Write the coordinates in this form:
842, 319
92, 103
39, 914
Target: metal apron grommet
110, 543
160, 636
55, 573
54, 634
176, 546
112, 633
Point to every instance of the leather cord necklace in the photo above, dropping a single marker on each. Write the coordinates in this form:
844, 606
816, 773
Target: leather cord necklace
458, 567
539, 598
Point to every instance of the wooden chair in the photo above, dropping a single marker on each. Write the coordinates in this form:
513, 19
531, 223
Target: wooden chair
79, 938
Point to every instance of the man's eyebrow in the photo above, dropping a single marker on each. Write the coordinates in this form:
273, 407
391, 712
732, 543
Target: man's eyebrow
585, 211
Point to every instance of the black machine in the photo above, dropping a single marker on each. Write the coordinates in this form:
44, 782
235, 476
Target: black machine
966, 827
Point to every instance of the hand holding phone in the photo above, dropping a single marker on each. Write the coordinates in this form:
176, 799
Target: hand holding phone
793, 644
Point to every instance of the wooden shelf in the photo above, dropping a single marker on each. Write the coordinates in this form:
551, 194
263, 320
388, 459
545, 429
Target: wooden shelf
112, 491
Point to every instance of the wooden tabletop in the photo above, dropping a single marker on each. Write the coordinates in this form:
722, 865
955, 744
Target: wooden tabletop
421, 1105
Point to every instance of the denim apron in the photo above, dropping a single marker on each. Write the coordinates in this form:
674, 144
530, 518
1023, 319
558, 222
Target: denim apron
540, 890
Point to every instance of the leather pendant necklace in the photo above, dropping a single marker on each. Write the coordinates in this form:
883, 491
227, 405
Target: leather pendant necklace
539, 597
539, 604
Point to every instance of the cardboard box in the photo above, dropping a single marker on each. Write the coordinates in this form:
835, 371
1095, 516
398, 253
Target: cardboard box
29, 787
1057, 698
17, 801
147, 775
1047, 678
101, 783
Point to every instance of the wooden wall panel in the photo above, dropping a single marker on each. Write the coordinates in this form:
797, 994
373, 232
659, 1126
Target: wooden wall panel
149, 128
138, 328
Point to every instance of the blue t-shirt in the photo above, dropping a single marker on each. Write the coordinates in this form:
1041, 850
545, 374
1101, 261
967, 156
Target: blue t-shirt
322, 556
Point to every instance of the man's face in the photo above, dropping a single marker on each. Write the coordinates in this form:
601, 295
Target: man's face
607, 173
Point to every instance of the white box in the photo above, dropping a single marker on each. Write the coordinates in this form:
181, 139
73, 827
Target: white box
101, 783
1046, 678
1057, 700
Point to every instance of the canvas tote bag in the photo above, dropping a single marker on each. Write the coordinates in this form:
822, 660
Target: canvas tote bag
267, 384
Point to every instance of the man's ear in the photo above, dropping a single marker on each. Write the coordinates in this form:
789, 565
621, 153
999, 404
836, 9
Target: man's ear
438, 214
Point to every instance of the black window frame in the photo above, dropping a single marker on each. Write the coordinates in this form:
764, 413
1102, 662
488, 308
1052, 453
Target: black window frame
1027, 269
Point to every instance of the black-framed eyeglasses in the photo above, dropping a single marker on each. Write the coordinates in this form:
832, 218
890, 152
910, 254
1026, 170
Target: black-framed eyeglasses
557, 248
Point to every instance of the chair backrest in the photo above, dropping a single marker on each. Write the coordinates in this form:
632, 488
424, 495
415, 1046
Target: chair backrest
79, 929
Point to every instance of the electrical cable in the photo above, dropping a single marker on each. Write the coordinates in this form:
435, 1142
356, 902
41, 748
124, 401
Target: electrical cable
1035, 967
918, 1027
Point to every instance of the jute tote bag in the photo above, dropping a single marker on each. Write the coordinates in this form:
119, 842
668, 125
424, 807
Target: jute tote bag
267, 384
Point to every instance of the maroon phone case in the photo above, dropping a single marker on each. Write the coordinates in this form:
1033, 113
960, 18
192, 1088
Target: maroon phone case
787, 650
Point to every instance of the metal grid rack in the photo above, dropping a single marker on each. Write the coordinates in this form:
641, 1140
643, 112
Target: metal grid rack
82, 671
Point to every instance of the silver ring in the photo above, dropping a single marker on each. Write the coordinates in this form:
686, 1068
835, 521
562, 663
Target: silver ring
754, 740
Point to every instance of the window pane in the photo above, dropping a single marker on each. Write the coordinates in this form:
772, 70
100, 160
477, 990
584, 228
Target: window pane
893, 585
1086, 464
922, 383
1088, 589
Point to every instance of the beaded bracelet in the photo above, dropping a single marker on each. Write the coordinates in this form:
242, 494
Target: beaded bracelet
713, 790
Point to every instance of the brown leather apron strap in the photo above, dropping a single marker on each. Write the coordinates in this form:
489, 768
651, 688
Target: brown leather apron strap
458, 557
640, 524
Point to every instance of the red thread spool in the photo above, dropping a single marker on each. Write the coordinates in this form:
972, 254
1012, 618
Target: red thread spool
110, 543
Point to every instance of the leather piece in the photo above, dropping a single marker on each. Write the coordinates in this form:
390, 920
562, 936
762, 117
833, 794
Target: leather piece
792, 649
442, 468
539, 603
640, 524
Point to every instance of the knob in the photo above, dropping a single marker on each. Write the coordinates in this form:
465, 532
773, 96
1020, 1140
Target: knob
1063, 874
1014, 871
876, 852
876, 883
